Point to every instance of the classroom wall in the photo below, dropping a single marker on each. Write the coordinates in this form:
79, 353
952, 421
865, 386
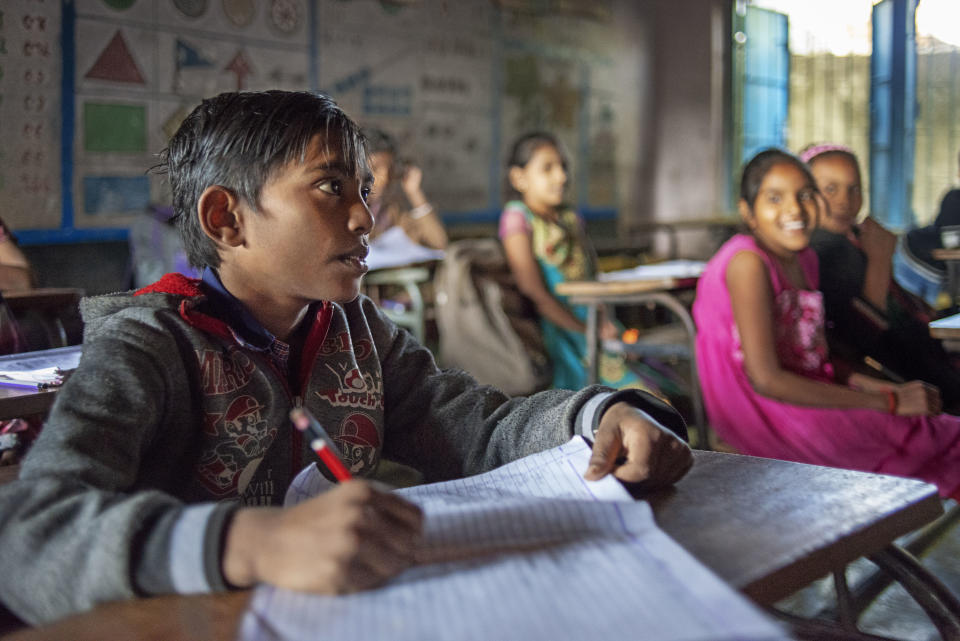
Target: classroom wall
90, 90
688, 180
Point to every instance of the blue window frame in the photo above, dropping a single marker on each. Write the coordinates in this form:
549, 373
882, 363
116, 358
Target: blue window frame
893, 73
766, 82
761, 85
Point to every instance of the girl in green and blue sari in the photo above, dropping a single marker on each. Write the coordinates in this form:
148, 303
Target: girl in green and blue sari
545, 244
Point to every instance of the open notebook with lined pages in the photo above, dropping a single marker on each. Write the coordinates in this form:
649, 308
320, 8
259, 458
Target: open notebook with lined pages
528, 551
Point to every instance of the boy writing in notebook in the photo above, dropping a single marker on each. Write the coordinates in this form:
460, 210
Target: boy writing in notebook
167, 453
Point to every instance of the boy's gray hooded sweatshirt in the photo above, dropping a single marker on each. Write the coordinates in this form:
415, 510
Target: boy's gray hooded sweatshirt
171, 422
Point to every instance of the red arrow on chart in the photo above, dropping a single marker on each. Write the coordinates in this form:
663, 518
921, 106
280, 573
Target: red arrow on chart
240, 66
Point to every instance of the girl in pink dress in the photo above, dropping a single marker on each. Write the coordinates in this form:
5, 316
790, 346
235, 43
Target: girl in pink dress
768, 385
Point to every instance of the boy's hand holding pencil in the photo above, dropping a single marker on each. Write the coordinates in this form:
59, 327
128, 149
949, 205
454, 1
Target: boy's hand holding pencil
350, 538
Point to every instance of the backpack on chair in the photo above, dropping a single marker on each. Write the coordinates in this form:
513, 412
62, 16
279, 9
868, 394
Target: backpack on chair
486, 326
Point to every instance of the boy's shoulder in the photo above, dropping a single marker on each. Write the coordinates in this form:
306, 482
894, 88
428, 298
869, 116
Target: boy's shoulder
172, 294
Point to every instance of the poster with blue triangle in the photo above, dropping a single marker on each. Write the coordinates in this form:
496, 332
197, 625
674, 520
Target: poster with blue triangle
189, 56
115, 63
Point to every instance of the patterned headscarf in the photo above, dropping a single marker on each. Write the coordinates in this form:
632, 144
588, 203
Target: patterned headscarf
812, 151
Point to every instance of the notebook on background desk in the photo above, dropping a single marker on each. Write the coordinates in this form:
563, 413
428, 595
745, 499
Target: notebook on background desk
42, 368
528, 551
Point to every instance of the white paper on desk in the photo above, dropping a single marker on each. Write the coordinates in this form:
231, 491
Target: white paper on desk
666, 269
43, 366
394, 248
600, 569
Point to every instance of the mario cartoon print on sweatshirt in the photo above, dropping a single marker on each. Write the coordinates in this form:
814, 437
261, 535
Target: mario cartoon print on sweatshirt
242, 437
359, 442
357, 433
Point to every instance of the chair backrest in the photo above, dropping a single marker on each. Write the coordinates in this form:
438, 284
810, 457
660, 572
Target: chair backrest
11, 338
42, 318
486, 326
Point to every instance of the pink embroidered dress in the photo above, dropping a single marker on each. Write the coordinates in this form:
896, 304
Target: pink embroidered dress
921, 447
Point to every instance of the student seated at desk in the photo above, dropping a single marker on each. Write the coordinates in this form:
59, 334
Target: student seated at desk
545, 244
867, 312
767, 383
397, 197
162, 463
914, 266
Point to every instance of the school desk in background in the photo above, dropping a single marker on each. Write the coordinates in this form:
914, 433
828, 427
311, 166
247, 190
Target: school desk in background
655, 284
29, 380
400, 269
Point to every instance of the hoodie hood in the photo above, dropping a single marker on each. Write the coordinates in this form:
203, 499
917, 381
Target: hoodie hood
174, 292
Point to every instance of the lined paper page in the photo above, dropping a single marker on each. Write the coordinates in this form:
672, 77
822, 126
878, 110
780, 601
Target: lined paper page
554, 557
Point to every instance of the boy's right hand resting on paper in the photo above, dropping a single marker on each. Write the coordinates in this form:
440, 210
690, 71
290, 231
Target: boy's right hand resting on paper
353, 537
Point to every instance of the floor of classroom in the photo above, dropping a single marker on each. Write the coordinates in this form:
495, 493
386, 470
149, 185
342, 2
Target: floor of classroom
894, 613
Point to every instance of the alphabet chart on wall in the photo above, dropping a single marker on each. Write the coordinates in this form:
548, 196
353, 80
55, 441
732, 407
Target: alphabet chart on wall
30, 114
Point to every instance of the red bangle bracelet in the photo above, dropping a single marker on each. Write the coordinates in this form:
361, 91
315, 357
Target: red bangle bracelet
891, 401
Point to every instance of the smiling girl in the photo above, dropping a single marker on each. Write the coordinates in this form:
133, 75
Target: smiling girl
768, 385
867, 313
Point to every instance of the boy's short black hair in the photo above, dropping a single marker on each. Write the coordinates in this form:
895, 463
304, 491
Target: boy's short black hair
237, 140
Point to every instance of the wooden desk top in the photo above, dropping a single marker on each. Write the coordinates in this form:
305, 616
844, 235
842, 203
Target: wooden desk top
583, 289
767, 527
946, 254
947, 327
771, 527
16, 402
170, 618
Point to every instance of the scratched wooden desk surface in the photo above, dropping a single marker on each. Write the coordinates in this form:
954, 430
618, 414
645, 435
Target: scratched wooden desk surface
767, 527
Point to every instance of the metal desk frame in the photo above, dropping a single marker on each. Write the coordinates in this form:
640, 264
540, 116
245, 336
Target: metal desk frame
593, 294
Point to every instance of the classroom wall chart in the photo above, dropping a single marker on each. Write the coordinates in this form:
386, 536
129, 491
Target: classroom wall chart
91, 90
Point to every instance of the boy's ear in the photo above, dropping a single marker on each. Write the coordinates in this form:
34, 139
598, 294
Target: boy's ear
217, 211
518, 180
745, 214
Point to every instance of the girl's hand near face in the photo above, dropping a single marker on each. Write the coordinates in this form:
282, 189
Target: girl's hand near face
411, 181
876, 241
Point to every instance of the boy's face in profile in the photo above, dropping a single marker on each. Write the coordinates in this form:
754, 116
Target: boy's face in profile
307, 241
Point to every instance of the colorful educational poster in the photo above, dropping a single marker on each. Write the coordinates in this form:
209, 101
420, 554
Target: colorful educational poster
91, 91
425, 77
140, 67
30, 114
